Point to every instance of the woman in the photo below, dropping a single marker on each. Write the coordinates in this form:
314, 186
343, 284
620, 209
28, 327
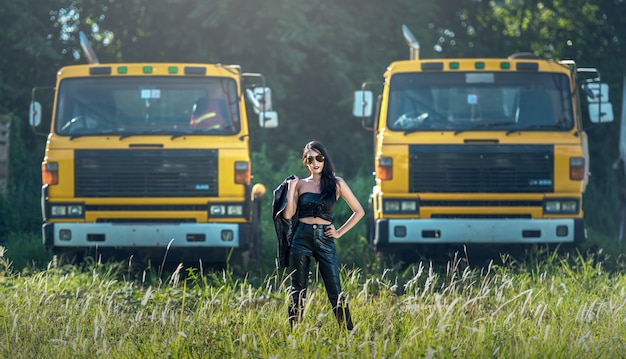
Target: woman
313, 200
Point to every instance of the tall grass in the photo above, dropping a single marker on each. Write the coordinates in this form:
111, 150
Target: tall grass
558, 307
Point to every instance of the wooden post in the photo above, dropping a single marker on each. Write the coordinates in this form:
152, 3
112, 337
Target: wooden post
5, 135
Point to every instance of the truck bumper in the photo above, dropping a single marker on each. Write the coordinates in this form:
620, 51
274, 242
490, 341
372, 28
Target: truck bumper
125, 235
392, 232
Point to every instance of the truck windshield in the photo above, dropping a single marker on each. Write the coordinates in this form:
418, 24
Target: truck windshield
137, 105
466, 101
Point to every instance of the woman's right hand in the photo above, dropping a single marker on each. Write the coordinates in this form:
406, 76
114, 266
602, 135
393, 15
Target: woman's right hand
292, 188
292, 183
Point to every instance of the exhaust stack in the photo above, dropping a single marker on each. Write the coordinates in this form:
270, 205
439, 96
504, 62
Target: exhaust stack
414, 46
87, 49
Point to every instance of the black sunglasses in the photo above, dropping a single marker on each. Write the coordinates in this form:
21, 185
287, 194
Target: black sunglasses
318, 158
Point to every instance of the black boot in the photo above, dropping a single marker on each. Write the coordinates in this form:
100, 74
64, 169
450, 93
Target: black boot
294, 315
342, 313
296, 307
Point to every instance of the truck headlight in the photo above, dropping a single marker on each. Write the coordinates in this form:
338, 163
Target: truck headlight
217, 210
226, 210
58, 210
68, 210
391, 206
400, 206
234, 210
561, 206
75, 210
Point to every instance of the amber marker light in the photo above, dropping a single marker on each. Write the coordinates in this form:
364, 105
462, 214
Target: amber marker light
49, 173
577, 168
384, 168
242, 172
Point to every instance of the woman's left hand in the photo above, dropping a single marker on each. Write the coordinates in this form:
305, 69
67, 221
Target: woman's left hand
332, 232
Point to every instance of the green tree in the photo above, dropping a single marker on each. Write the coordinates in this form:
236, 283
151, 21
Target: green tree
29, 59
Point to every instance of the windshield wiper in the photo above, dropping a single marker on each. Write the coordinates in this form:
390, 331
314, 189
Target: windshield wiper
536, 126
146, 132
178, 134
78, 135
484, 125
126, 135
100, 133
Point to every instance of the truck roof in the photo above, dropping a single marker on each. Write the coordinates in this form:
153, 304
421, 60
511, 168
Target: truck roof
150, 69
478, 64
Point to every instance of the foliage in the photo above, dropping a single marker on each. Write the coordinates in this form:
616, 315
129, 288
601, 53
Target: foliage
26, 251
28, 60
28, 56
21, 210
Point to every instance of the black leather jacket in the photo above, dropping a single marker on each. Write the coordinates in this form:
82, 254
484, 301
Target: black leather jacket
284, 227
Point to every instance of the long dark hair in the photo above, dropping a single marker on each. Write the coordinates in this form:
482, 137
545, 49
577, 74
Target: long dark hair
328, 182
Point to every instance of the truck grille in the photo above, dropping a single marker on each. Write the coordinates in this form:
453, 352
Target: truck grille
145, 173
481, 168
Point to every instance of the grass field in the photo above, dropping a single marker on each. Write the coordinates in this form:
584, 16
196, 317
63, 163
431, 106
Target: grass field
550, 306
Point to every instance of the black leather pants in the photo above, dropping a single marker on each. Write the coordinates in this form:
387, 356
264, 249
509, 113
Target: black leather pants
310, 241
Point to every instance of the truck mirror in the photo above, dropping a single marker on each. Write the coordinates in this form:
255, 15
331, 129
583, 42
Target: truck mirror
362, 106
264, 96
596, 92
260, 98
258, 191
601, 112
255, 103
268, 119
34, 116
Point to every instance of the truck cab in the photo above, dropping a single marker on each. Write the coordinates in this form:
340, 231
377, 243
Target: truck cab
479, 151
153, 160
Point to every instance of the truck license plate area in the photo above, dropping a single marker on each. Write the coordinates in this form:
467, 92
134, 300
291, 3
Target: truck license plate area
95, 237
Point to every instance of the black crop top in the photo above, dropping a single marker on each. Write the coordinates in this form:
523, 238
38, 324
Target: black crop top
309, 205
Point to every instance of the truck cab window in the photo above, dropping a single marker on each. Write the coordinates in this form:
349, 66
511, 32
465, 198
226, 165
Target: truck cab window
155, 105
449, 101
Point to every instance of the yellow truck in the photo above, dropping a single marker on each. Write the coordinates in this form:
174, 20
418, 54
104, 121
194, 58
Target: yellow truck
152, 160
483, 151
